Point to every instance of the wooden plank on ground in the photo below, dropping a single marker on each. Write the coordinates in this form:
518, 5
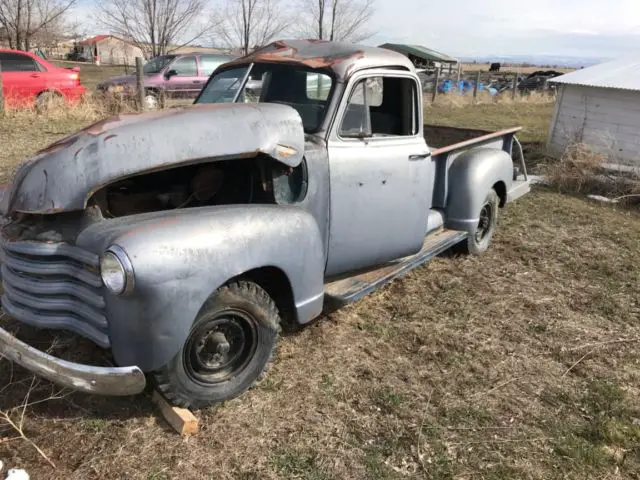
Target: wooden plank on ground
181, 420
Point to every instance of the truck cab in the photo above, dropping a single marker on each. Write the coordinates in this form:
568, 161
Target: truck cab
185, 240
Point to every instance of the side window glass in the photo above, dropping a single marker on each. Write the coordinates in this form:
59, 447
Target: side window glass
208, 63
381, 107
13, 62
356, 121
185, 67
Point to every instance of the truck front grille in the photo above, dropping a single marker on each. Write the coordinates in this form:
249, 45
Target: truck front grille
54, 285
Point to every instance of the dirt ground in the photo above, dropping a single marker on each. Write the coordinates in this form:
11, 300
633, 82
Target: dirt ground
522, 363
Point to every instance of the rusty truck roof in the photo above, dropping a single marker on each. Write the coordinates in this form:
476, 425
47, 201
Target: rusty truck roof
341, 57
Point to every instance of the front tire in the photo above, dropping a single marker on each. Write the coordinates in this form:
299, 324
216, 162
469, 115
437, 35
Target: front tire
229, 347
479, 241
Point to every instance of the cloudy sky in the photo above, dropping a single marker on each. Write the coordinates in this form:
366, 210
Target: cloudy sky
584, 28
576, 28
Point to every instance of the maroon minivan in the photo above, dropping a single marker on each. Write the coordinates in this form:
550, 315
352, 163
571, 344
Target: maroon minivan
176, 76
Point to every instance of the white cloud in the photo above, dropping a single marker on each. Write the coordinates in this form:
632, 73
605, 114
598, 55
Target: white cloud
502, 27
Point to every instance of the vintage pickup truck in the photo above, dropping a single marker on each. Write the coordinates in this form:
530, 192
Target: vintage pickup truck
184, 240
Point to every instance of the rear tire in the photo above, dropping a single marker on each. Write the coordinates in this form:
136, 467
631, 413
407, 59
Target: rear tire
46, 99
228, 350
479, 241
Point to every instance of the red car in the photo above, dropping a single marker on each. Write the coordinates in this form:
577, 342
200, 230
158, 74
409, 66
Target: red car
27, 79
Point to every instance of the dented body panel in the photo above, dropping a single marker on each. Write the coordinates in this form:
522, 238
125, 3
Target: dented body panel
182, 258
310, 208
64, 175
342, 58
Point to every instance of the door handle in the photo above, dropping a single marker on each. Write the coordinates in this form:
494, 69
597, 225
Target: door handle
197, 81
35, 75
419, 156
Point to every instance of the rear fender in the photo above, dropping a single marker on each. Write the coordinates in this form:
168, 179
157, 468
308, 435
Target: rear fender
181, 257
470, 177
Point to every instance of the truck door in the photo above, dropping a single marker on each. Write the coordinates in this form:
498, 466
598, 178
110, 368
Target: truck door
380, 172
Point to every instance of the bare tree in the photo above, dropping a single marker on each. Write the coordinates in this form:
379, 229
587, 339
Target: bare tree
24, 20
335, 19
251, 24
155, 25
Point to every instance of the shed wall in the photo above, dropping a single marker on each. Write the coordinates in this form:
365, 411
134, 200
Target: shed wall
607, 120
114, 51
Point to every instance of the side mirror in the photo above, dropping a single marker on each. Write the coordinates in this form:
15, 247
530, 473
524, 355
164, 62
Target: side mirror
171, 73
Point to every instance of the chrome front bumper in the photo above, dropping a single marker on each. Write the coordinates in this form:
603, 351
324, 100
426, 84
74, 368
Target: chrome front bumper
116, 381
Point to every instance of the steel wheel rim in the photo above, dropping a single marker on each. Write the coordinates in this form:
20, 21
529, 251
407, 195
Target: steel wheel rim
485, 222
221, 347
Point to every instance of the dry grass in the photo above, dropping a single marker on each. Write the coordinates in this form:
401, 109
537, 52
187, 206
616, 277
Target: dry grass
580, 171
91, 75
533, 117
521, 363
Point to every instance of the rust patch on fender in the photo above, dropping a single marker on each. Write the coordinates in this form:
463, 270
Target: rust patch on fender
65, 142
99, 127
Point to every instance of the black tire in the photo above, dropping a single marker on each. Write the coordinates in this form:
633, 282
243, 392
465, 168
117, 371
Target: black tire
479, 242
248, 316
46, 99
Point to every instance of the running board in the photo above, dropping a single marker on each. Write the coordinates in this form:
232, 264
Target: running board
346, 290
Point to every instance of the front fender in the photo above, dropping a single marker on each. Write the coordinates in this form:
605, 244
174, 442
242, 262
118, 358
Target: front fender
470, 177
181, 257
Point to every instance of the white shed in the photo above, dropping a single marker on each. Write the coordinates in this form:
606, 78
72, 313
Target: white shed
599, 106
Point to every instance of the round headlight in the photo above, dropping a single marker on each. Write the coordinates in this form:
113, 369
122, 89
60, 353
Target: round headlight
116, 270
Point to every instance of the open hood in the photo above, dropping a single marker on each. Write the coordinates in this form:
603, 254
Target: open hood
64, 175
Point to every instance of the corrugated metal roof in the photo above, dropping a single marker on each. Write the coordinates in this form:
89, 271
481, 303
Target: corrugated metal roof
419, 51
623, 74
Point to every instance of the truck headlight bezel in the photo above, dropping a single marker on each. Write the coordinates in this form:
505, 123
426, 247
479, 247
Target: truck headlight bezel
116, 270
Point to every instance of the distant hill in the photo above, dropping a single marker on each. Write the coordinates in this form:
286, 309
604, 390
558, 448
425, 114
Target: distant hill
541, 60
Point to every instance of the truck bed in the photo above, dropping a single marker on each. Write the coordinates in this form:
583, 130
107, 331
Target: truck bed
446, 143
438, 136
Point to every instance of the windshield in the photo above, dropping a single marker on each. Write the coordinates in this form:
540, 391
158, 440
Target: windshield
306, 90
155, 65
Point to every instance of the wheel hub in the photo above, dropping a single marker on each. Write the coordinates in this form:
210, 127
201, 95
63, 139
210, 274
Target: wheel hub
212, 348
220, 347
484, 224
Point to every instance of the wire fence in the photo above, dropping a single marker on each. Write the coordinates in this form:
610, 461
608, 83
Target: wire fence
455, 81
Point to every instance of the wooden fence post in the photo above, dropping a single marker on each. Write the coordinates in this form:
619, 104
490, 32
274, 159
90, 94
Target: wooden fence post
139, 84
475, 87
515, 85
1, 94
435, 86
